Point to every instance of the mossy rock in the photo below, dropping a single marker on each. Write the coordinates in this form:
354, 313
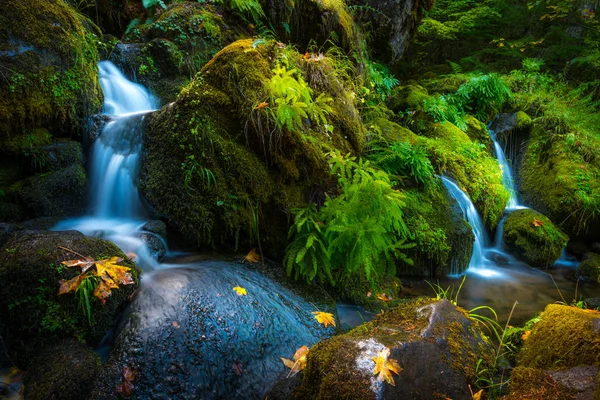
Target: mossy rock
30, 271
434, 342
558, 177
54, 194
532, 237
471, 165
589, 268
256, 175
522, 120
565, 337
533, 383
50, 60
409, 97
478, 132
27, 141
64, 371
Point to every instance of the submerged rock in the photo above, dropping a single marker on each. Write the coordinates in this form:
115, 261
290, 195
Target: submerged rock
33, 315
435, 343
65, 371
189, 335
532, 237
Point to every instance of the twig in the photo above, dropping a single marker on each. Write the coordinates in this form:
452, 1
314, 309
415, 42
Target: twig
70, 251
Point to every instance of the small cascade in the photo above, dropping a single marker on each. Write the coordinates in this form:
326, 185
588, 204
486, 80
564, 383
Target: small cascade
507, 176
469, 213
116, 209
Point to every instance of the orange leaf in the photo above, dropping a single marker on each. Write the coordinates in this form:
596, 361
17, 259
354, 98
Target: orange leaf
324, 318
261, 105
384, 297
299, 362
252, 256
537, 222
102, 291
526, 335
384, 366
84, 263
71, 285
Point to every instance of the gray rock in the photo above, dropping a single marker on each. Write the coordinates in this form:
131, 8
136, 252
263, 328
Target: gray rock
155, 244
156, 226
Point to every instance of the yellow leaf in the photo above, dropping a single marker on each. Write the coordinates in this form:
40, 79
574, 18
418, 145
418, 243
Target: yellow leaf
384, 297
324, 318
240, 291
71, 285
477, 396
102, 291
384, 367
537, 223
299, 362
526, 335
252, 257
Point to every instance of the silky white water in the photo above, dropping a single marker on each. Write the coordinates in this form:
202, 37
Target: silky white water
116, 211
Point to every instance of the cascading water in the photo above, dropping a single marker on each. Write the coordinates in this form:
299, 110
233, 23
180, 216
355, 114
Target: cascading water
507, 176
116, 210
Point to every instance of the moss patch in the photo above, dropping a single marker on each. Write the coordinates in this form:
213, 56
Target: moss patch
565, 337
535, 384
534, 238
590, 267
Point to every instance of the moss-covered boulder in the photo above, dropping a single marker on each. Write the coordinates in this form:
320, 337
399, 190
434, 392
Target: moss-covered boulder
564, 337
65, 371
532, 237
217, 163
559, 171
35, 316
477, 131
55, 194
407, 98
49, 61
436, 345
589, 268
535, 383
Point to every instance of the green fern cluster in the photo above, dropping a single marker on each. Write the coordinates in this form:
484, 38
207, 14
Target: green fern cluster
404, 159
245, 7
446, 108
360, 230
291, 100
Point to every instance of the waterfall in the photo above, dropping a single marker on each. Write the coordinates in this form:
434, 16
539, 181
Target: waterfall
116, 209
507, 175
469, 213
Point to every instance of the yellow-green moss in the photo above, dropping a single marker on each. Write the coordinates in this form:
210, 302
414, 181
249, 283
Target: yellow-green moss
523, 120
408, 97
535, 384
50, 75
590, 267
475, 170
565, 337
534, 238
477, 131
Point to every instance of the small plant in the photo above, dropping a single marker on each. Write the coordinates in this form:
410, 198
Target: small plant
402, 158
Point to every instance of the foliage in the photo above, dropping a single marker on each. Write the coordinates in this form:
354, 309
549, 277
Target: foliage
403, 159
361, 229
298, 363
324, 318
384, 366
245, 7
240, 291
445, 108
97, 276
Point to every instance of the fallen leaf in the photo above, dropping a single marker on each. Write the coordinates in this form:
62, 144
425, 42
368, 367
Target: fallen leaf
384, 297
131, 256
298, 363
384, 366
537, 222
84, 263
126, 387
252, 256
477, 396
71, 285
102, 291
240, 291
324, 318
261, 105
526, 335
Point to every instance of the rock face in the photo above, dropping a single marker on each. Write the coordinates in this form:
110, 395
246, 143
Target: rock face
189, 335
435, 343
65, 371
33, 314
532, 237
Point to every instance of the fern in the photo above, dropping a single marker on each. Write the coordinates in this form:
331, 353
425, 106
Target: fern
245, 7
153, 3
401, 158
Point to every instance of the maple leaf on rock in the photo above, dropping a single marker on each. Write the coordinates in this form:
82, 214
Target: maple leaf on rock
324, 318
298, 363
385, 366
240, 291
252, 257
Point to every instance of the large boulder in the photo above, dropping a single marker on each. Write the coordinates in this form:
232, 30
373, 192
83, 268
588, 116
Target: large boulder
532, 237
33, 314
188, 334
65, 371
50, 76
216, 163
436, 344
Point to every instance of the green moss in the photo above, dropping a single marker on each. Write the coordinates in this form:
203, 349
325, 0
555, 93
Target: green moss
409, 97
565, 337
470, 164
30, 269
589, 268
523, 120
478, 132
534, 238
215, 125
391, 131
20, 143
50, 74
532, 383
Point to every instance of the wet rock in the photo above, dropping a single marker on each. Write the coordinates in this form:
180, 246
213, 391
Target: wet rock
498, 258
60, 154
156, 245
95, 125
589, 268
578, 249
39, 224
435, 343
156, 226
189, 335
36, 317
62, 372
6, 230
